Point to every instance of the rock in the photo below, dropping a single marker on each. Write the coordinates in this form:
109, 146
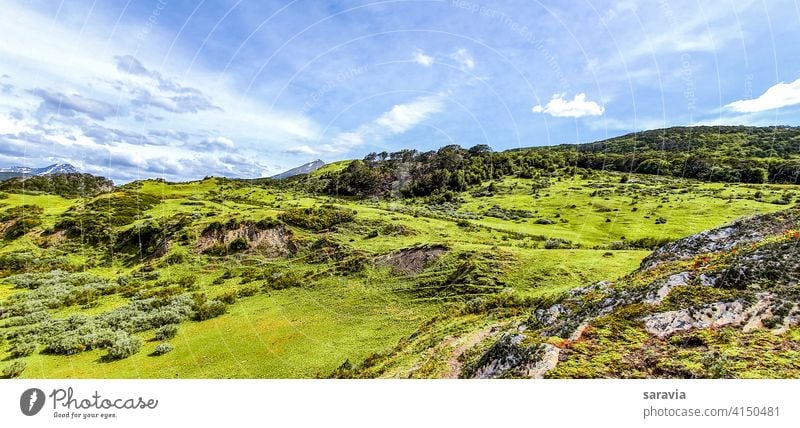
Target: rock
741, 232
718, 314
656, 296
550, 359
509, 357
550, 315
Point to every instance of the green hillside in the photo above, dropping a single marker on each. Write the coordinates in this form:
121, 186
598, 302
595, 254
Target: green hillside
386, 266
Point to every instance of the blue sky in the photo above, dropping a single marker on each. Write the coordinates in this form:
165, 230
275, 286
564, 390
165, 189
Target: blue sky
185, 89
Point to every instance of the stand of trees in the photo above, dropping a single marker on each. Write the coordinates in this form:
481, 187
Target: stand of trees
723, 154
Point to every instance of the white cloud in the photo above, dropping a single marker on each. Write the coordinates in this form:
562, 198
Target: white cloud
216, 143
304, 149
403, 117
577, 107
399, 119
780, 95
463, 58
422, 59
83, 83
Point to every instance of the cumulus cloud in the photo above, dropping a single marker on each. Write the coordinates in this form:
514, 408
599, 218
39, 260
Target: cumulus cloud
422, 59
780, 95
579, 106
463, 58
403, 117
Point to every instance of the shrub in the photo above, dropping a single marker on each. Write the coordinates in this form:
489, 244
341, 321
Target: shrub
166, 332
648, 243
162, 349
238, 244
188, 282
317, 218
247, 291
661, 220
267, 223
94, 221
206, 309
176, 257
617, 245
507, 213
123, 346
286, 279
228, 297
22, 348
14, 369
557, 243
217, 249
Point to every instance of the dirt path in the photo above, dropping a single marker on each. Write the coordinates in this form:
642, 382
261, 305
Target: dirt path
464, 343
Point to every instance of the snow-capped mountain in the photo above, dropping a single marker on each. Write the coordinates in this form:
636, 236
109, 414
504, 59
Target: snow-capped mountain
302, 169
21, 171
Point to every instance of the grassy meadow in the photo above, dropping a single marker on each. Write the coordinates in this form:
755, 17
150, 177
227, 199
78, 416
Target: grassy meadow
255, 290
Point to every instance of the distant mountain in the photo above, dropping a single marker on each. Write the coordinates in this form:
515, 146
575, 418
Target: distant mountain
24, 171
302, 169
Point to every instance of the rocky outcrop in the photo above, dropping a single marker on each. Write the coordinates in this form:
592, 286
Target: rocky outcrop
744, 231
718, 314
745, 276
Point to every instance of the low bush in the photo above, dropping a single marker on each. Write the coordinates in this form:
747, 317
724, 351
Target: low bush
229, 297
166, 332
247, 291
204, 308
237, 245
123, 345
14, 369
557, 244
317, 218
507, 213
162, 349
22, 348
285, 279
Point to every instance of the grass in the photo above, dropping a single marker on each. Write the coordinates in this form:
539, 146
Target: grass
311, 330
288, 334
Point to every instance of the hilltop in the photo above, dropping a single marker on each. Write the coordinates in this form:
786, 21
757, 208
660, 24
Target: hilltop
714, 154
62, 184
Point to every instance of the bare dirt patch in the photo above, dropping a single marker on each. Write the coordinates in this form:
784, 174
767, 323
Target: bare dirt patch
274, 242
411, 261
